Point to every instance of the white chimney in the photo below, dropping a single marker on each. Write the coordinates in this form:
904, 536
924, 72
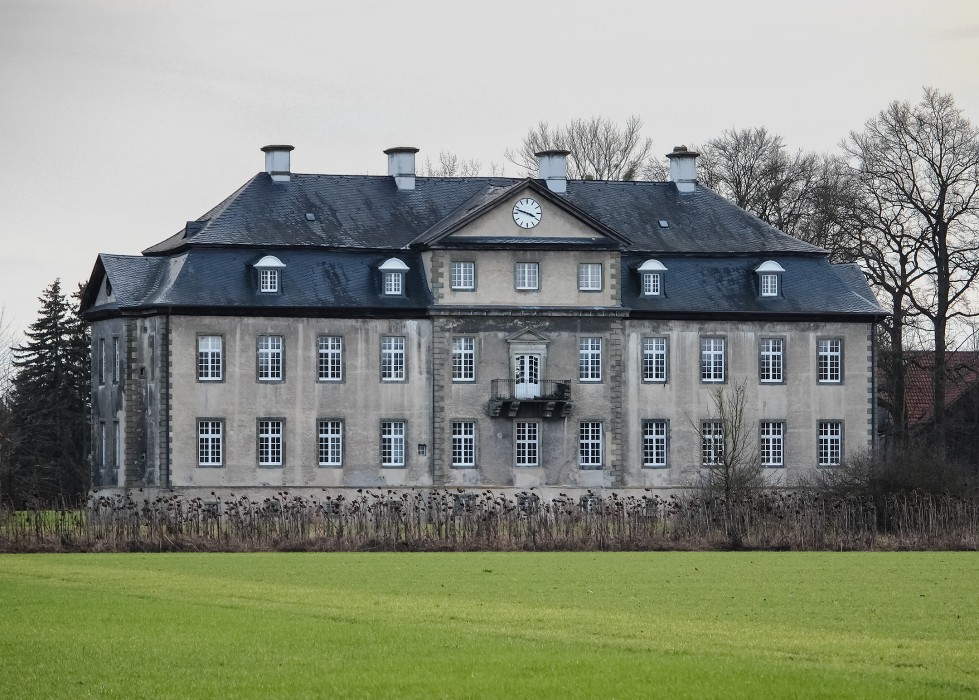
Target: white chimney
277, 162
552, 167
683, 168
401, 166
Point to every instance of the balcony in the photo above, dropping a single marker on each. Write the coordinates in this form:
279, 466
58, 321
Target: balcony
547, 398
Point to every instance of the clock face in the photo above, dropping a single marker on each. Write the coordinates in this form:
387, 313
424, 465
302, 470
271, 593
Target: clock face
526, 213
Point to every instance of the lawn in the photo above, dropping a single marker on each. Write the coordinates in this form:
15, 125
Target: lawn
513, 625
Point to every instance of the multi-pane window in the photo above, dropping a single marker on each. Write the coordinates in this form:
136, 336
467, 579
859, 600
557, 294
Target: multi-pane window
463, 444
393, 358
329, 359
268, 280
829, 448
103, 444
590, 359
654, 359
209, 358
270, 443
772, 441
590, 277
463, 359
101, 360
527, 444
116, 361
712, 359
771, 360
394, 283
330, 447
711, 443
527, 275
654, 443
829, 360
589, 444
652, 284
393, 443
462, 275
116, 443
270, 358
210, 443
769, 284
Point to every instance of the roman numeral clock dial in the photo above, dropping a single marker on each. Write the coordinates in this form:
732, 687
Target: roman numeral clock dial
526, 213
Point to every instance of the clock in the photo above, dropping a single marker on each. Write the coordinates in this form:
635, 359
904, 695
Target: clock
526, 213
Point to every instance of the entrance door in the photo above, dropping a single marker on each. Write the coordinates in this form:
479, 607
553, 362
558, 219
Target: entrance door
526, 373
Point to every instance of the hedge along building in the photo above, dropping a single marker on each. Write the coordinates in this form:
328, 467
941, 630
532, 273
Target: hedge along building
411, 332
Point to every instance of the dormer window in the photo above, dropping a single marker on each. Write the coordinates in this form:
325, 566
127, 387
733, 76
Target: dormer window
269, 274
769, 278
393, 277
652, 274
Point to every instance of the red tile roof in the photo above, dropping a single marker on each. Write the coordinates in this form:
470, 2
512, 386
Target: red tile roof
962, 375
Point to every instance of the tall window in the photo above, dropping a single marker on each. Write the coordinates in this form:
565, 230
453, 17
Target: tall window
394, 283
712, 359
711, 443
330, 443
270, 443
829, 448
589, 444
829, 360
590, 360
463, 444
268, 280
463, 359
590, 277
462, 275
101, 360
329, 361
528, 275
654, 359
770, 361
393, 443
103, 445
270, 358
116, 361
652, 284
769, 285
654, 443
209, 358
772, 440
210, 443
392, 358
527, 444
116, 444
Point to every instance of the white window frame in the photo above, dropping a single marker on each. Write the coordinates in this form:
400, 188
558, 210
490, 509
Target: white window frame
527, 276
210, 358
463, 450
394, 283
771, 361
655, 359
654, 443
829, 443
393, 443
268, 280
712, 359
210, 442
103, 445
526, 443
772, 443
116, 360
329, 358
271, 358
652, 284
590, 359
769, 284
116, 444
101, 361
464, 359
329, 446
462, 276
589, 277
590, 444
829, 360
711, 443
393, 358
271, 442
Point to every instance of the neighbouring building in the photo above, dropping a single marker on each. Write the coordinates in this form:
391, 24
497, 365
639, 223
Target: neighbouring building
346, 331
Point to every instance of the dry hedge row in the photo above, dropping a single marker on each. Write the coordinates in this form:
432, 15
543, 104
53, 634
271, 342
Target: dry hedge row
446, 520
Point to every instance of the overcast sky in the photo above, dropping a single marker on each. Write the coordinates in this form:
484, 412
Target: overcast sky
122, 119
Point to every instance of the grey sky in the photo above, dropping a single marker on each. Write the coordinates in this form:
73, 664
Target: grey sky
122, 119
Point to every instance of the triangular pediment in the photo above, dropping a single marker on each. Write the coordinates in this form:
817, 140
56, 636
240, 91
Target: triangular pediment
528, 336
524, 214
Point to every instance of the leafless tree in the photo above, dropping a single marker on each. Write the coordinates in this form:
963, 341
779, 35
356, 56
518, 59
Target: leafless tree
918, 172
599, 149
450, 165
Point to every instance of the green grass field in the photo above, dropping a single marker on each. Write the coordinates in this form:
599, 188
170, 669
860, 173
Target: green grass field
490, 625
